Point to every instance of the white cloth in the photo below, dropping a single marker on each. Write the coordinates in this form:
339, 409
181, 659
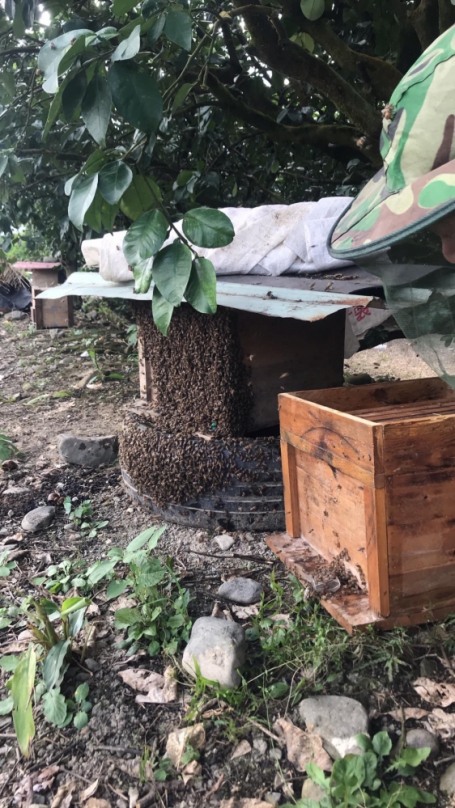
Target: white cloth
269, 240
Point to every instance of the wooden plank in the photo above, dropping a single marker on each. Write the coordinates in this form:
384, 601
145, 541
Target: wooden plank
407, 411
349, 399
418, 445
377, 551
333, 520
363, 473
420, 546
287, 357
430, 586
333, 432
291, 494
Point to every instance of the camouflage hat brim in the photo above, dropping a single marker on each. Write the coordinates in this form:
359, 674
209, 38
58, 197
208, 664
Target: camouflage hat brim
378, 217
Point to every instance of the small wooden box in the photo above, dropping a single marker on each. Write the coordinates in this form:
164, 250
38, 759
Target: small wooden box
369, 479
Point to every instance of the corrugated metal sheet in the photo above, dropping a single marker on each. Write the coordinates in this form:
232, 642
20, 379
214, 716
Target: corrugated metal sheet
273, 301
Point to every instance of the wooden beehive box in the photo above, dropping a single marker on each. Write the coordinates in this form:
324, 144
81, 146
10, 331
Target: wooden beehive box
369, 479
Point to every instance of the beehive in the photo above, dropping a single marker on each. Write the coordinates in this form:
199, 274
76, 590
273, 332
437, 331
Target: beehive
369, 481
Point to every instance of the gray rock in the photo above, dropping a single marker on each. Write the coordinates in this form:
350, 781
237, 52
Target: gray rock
241, 590
275, 754
272, 797
421, 739
15, 315
260, 745
311, 791
447, 781
337, 720
219, 647
91, 452
38, 519
224, 542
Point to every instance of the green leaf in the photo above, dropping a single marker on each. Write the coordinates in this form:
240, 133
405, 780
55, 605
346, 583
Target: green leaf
18, 21
382, 744
120, 7
93, 215
95, 162
142, 195
22, 684
312, 9
129, 47
71, 605
80, 720
178, 28
54, 707
81, 692
108, 215
6, 706
82, 195
73, 94
127, 617
207, 227
145, 237
136, 96
162, 311
9, 662
142, 276
99, 570
305, 41
5, 622
171, 271
52, 53
3, 164
317, 775
96, 108
156, 29
364, 742
115, 589
114, 179
54, 665
154, 648
278, 691
201, 289
180, 96
138, 542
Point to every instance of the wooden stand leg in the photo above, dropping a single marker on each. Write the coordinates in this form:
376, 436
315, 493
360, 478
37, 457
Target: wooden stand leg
291, 494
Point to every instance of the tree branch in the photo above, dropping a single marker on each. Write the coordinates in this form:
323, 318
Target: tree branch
18, 51
425, 21
294, 62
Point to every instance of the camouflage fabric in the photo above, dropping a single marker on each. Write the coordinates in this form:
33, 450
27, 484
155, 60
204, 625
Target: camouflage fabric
416, 185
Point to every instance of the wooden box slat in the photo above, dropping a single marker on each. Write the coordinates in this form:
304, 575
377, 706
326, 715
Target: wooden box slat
369, 476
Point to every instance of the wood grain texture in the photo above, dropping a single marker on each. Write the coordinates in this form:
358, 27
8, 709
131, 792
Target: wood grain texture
362, 473
291, 493
381, 394
419, 445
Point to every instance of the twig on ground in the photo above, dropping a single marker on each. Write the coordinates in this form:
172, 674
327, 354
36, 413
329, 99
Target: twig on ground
234, 555
265, 731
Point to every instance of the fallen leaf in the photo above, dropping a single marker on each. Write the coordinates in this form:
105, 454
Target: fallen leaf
136, 768
243, 748
441, 694
178, 741
159, 689
94, 803
302, 746
93, 609
45, 779
89, 791
122, 603
243, 612
64, 795
133, 796
193, 769
408, 712
441, 723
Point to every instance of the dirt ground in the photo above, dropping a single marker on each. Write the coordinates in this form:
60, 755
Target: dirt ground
47, 387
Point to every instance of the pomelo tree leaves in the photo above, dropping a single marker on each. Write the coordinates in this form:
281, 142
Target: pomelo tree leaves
129, 47
201, 289
145, 237
73, 94
142, 194
96, 108
171, 271
142, 276
207, 227
82, 195
178, 28
52, 53
312, 9
120, 7
114, 179
162, 311
136, 96
181, 96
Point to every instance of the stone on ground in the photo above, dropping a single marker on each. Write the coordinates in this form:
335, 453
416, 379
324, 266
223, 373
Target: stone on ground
422, 739
337, 720
241, 590
15, 315
311, 791
219, 648
38, 519
91, 452
447, 781
224, 542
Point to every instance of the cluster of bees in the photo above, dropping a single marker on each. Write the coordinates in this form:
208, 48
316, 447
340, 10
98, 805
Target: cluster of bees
192, 439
